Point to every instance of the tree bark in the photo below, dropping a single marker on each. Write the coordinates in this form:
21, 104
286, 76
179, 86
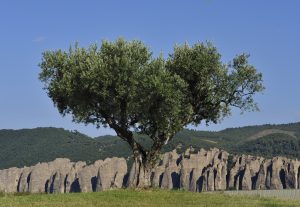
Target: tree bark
140, 175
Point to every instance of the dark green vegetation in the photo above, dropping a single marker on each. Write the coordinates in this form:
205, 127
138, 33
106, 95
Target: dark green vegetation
29, 146
153, 198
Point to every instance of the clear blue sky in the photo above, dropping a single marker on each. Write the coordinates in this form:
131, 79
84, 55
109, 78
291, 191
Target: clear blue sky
268, 30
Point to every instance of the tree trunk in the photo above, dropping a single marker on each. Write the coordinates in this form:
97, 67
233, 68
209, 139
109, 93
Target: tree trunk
140, 175
144, 160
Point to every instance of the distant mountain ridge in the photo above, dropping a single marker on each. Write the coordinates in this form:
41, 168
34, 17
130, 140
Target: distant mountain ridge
29, 146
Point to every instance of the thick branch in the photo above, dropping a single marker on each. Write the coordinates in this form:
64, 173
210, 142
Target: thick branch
158, 142
127, 136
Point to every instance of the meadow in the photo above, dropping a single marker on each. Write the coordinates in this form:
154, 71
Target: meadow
144, 198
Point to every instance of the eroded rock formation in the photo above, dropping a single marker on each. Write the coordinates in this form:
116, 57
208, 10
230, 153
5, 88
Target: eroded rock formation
64, 176
200, 171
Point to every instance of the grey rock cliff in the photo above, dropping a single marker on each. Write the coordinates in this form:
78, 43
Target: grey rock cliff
24, 180
63, 176
205, 170
111, 174
9, 179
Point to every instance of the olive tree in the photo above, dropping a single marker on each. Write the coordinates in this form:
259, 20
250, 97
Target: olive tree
121, 85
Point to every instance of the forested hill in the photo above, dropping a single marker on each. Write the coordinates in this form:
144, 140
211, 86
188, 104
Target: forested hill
29, 146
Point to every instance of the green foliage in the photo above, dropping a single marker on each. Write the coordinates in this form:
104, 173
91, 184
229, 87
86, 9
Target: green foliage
272, 145
213, 87
119, 81
93, 84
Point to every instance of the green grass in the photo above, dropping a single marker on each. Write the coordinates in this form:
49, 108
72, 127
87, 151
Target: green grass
145, 198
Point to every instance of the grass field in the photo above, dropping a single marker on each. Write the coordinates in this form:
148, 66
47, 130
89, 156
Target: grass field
144, 198
292, 194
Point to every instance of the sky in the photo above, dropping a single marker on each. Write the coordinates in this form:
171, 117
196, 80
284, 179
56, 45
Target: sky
268, 30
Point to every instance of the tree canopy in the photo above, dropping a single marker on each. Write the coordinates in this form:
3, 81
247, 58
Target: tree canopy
122, 85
